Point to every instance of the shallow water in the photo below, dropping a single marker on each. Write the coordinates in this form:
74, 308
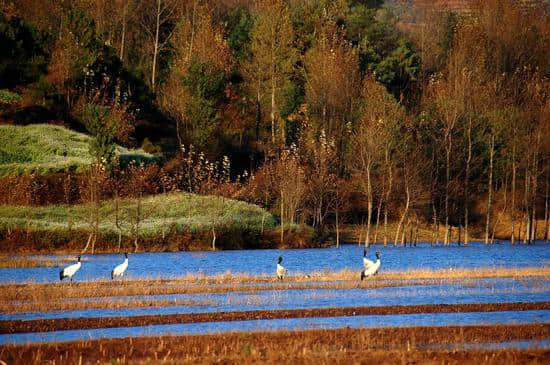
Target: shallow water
471, 291
256, 262
400, 320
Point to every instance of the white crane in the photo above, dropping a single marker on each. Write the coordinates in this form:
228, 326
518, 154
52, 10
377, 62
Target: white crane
370, 268
281, 271
120, 268
366, 262
70, 270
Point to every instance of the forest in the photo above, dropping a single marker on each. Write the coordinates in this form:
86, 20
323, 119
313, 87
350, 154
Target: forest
379, 117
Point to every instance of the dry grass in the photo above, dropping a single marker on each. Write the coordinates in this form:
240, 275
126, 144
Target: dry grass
58, 305
478, 273
341, 346
346, 274
12, 262
194, 284
47, 292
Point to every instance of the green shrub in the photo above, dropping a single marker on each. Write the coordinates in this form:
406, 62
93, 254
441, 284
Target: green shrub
8, 97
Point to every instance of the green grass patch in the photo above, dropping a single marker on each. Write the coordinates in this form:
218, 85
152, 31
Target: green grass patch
8, 97
46, 148
160, 215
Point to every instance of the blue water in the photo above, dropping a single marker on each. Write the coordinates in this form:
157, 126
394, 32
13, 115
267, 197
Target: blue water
393, 320
177, 264
470, 291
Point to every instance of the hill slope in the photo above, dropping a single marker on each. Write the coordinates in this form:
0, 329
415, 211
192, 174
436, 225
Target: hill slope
163, 215
46, 148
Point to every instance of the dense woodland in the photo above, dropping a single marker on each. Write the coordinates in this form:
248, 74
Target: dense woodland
326, 112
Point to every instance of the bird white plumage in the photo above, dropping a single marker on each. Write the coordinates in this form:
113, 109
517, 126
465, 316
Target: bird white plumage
366, 262
120, 268
372, 268
281, 270
70, 270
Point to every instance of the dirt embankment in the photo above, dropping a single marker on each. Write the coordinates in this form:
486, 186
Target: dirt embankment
43, 325
424, 345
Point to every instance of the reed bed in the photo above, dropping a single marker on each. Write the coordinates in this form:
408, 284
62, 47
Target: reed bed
47, 292
340, 346
59, 305
347, 274
13, 262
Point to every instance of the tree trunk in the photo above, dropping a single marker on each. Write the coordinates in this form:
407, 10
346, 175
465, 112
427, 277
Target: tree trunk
117, 219
258, 111
282, 218
404, 214
369, 203
123, 36
337, 226
385, 226
466, 183
534, 192
416, 232
156, 47
526, 207
447, 182
388, 192
504, 209
379, 208
213, 239
273, 109
435, 231
192, 40
513, 209
403, 235
411, 237
273, 35
546, 218
88, 242
489, 199
138, 222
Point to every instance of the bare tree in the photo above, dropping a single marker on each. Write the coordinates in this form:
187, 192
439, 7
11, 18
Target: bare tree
157, 21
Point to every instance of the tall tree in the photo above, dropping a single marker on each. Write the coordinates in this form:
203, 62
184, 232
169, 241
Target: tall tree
273, 56
158, 18
371, 140
333, 86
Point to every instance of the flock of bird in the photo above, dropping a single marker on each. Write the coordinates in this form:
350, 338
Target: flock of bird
369, 268
70, 270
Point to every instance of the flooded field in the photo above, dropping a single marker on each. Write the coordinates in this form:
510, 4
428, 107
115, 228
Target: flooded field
208, 293
299, 261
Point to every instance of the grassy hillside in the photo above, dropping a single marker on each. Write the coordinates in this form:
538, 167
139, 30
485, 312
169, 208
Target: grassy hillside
161, 216
44, 148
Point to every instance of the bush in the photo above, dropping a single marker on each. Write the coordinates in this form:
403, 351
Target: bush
149, 147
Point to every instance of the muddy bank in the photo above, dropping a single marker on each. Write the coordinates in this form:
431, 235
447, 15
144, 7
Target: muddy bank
341, 346
45, 325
